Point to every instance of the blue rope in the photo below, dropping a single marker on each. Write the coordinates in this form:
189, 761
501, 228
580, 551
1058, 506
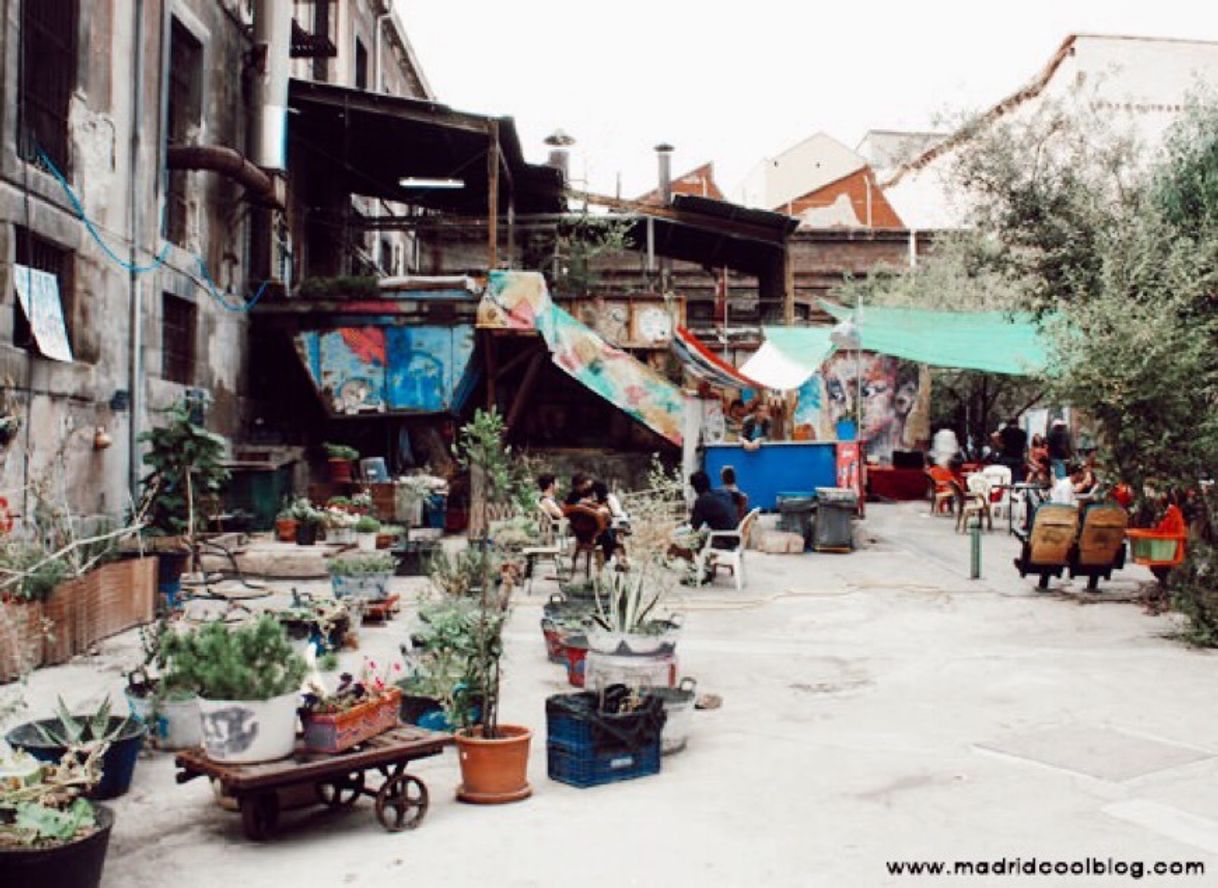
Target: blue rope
220, 298
80, 212
208, 284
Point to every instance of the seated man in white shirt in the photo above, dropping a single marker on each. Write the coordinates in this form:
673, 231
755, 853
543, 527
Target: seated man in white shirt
1063, 488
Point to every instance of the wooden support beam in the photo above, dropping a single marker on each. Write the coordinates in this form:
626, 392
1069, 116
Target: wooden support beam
492, 197
788, 286
526, 388
488, 356
512, 363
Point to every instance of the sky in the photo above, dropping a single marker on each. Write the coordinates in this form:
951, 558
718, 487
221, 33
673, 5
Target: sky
734, 83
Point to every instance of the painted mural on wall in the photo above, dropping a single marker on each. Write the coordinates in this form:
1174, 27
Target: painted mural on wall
895, 402
389, 369
520, 301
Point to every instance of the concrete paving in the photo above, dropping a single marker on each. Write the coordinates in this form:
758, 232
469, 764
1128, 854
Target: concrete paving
878, 706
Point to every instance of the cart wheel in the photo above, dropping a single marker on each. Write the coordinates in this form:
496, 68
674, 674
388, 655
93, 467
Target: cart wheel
401, 803
259, 815
1161, 575
341, 793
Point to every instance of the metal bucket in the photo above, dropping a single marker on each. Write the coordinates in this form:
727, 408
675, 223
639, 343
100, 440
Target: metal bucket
679, 707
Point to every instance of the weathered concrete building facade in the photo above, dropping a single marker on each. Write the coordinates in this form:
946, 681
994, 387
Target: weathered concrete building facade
152, 265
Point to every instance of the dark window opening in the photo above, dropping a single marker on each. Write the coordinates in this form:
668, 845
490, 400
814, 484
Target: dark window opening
361, 65
185, 115
47, 78
40, 254
177, 339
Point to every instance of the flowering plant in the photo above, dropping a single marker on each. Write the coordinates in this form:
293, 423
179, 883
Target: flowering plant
339, 518
374, 681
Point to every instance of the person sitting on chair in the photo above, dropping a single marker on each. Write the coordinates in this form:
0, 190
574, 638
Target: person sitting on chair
1064, 489
582, 493
548, 501
713, 509
727, 477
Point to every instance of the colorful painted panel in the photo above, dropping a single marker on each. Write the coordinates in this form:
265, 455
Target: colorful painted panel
514, 301
520, 301
895, 400
375, 369
426, 365
614, 375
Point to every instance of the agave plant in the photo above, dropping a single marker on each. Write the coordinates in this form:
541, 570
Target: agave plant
622, 605
82, 733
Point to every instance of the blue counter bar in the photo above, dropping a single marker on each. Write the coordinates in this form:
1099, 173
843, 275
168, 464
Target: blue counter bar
778, 467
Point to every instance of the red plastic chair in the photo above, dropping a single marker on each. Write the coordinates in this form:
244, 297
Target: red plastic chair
1150, 546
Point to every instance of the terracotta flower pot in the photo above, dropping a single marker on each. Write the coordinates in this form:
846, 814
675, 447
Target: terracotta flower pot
339, 731
340, 471
494, 771
285, 529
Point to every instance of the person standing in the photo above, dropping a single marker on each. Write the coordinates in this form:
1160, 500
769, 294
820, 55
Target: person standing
1060, 449
944, 447
756, 428
1013, 442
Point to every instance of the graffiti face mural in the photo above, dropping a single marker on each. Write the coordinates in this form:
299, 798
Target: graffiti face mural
893, 394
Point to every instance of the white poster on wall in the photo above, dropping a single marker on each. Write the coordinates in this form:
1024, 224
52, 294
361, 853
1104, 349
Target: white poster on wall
38, 293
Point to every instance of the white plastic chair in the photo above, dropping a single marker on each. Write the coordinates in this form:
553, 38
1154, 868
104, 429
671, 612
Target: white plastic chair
713, 556
554, 547
999, 478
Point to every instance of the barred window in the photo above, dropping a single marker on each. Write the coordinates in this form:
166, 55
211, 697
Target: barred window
40, 254
47, 78
177, 339
185, 115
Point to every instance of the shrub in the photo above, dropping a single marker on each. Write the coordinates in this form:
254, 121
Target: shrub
367, 524
253, 661
341, 451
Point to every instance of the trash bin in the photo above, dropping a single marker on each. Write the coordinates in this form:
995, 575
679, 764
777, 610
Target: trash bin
795, 511
835, 510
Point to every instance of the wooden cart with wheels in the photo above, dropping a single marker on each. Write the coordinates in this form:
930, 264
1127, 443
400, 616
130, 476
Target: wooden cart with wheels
339, 780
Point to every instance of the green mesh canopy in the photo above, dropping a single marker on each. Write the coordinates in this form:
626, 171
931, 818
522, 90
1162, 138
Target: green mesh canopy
991, 341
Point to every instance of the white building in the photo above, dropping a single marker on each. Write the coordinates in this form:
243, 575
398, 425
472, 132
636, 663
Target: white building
1140, 83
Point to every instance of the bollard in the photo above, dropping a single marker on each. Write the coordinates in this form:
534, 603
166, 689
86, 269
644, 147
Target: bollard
975, 553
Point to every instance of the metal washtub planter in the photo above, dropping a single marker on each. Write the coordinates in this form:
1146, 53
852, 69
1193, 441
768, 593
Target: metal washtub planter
679, 707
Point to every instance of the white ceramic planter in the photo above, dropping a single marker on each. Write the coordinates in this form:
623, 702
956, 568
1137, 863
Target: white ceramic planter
178, 725
365, 542
372, 587
245, 731
340, 535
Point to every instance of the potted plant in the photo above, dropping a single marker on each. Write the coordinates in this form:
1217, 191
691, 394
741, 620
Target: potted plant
361, 576
308, 519
286, 524
118, 739
366, 530
341, 457
494, 757
357, 710
441, 665
248, 680
623, 621
49, 834
319, 623
168, 710
183, 488
340, 525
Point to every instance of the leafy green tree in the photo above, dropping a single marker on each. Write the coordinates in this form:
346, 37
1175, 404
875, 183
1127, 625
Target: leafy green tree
185, 478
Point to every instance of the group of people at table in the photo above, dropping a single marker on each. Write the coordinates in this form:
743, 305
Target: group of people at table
1048, 465
712, 509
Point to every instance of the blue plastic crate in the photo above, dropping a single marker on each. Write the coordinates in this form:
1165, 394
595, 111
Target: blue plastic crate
585, 767
573, 722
